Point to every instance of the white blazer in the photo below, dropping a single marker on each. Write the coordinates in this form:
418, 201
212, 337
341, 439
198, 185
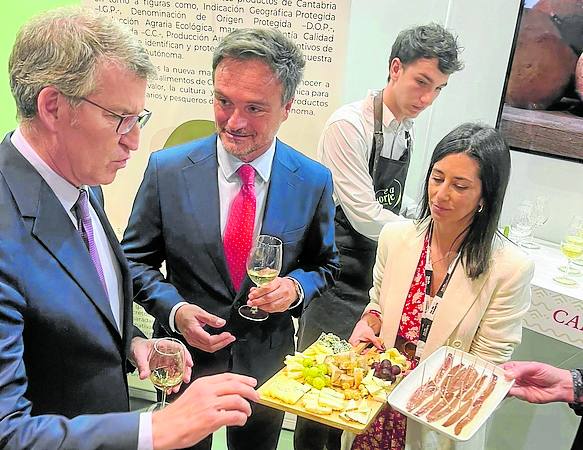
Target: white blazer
481, 316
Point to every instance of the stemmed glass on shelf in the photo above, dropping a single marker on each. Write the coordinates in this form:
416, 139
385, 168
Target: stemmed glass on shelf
166, 361
538, 217
263, 266
522, 224
572, 248
577, 228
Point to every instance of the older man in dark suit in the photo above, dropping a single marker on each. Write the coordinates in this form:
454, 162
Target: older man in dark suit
201, 205
66, 333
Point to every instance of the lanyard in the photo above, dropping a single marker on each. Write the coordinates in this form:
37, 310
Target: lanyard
430, 305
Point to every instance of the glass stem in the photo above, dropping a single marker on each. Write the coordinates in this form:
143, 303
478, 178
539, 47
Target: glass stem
568, 271
163, 398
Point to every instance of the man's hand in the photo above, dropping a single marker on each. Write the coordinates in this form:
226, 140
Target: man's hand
536, 382
363, 332
139, 352
208, 404
190, 319
273, 297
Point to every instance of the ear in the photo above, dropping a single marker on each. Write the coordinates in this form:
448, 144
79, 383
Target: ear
395, 69
50, 105
287, 108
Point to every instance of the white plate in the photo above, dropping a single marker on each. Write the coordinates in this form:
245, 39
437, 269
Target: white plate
428, 369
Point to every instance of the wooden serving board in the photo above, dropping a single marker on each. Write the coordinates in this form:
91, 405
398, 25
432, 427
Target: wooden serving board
333, 420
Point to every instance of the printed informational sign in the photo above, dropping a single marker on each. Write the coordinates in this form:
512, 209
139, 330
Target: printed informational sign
181, 36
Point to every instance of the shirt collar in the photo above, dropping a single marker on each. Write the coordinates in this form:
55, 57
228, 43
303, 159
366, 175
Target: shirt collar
229, 164
389, 121
65, 191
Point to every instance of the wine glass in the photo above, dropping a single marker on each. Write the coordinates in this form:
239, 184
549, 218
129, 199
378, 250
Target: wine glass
577, 230
166, 360
522, 223
263, 266
539, 218
571, 247
574, 236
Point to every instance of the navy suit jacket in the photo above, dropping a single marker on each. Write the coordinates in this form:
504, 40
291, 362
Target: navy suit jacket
176, 219
61, 354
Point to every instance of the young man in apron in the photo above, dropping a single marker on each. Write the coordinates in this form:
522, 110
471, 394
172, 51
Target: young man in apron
367, 145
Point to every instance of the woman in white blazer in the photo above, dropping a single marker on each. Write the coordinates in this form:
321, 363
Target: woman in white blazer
480, 281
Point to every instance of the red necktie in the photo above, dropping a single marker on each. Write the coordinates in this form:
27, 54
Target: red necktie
238, 237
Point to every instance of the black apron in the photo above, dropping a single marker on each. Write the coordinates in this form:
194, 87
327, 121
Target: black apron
340, 307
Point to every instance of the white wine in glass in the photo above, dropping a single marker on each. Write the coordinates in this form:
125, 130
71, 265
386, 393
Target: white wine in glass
572, 248
263, 266
262, 276
166, 361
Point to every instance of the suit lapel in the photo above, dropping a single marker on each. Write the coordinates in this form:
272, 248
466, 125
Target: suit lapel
126, 301
52, 226
56, 232
283, 191
459, 297
200, 177
399, 272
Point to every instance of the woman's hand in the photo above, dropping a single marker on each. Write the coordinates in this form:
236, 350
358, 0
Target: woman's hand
364, 332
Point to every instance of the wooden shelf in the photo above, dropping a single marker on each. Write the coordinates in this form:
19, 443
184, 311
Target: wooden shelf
551, 132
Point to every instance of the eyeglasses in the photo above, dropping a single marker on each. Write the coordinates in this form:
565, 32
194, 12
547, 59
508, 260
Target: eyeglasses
126, 121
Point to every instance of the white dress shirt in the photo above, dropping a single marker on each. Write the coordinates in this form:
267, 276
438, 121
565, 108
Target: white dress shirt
67, 194
345, 148
229, 184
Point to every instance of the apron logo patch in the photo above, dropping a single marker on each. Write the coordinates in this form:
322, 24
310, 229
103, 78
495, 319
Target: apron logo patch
390, 196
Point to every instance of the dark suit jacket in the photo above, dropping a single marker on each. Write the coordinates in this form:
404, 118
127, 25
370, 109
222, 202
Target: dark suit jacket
175, 219
60, 350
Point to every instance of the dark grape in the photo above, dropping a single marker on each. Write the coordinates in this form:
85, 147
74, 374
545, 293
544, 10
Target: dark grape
378, 372
386, 364
395, 370
375, 365
391, 378
385, 373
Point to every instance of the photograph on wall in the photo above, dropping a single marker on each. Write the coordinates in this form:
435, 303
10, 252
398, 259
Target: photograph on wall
543, 103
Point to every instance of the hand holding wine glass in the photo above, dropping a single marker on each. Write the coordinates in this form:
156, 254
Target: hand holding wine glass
167, 363
263, 266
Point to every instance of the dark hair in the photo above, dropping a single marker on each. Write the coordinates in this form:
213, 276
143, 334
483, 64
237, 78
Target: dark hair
428, 42
487, 147
272, 47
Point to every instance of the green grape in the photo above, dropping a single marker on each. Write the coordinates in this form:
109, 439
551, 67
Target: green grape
314, 372
318, 382
309, 380
323, 368
328, 380
307, 362
306, 372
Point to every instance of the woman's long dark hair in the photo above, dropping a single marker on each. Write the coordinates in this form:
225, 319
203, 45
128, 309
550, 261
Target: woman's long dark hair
487, 147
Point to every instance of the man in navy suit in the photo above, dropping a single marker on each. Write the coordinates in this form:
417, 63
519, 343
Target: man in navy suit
188, 214
66, 333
